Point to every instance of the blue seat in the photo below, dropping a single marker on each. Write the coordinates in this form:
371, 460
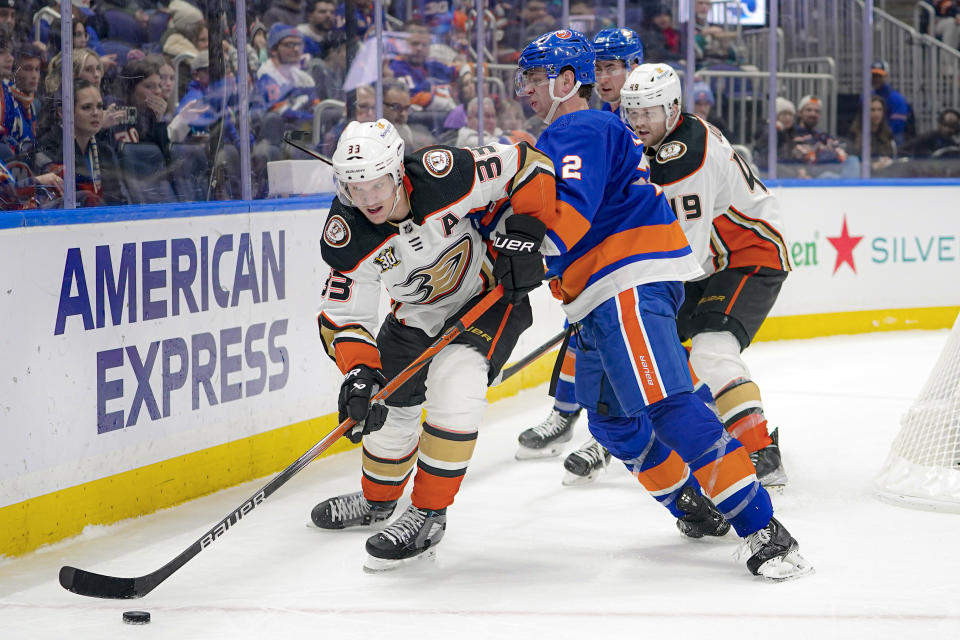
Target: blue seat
121, 49
144, 172
124, 27
157, 26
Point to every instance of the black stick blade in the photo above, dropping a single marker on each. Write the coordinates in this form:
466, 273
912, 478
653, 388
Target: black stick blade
95, 585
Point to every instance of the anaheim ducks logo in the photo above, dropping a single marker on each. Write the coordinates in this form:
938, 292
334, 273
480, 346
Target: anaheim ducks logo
441, 278
438, 162
671, 151
336, 233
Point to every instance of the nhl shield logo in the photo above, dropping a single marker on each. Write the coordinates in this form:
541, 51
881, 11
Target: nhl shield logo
671, 151
438, 162
336, 233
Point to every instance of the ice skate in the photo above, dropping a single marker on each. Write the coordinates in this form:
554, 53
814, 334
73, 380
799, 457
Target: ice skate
584, 465
350, 510
546, 440
768, 464
413, 536
775, 555
702, 517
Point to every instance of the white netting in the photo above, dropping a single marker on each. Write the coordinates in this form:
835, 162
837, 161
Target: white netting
923, 468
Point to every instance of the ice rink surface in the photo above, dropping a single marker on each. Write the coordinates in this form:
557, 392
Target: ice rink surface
524, 557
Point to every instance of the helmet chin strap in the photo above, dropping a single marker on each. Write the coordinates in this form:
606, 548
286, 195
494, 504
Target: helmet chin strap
556, 101
669, 127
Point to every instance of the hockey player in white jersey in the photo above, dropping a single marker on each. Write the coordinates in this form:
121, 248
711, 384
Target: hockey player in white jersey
733, 224
418, 227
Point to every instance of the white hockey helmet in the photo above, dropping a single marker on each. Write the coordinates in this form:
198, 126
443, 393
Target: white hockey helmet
653, 85
367, 151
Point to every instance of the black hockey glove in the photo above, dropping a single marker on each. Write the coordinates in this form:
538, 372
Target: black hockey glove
361, 384
519, 265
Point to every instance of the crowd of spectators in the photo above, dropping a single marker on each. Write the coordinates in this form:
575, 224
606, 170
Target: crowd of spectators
155, 121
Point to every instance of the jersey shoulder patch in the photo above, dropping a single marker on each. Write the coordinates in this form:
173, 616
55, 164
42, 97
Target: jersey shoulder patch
439, 176
682, 154
348, 237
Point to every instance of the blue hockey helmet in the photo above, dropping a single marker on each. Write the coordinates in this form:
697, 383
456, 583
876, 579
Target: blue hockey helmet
558, 49
619, 44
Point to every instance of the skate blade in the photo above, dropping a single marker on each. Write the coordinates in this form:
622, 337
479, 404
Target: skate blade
789, 567
573, 480
380, 565
549, 451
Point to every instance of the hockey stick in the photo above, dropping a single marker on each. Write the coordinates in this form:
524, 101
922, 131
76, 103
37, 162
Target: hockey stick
306, 150
87, 583
528, 359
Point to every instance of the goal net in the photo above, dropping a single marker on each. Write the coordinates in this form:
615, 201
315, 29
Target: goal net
923, 468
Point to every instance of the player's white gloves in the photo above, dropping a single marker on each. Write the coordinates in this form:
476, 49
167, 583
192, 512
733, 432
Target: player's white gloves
361, 384
519, 265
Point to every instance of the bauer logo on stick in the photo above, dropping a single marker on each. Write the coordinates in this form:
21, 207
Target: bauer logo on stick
336, 233
438, 163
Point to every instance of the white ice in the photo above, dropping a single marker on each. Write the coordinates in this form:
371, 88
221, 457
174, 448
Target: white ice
524, 557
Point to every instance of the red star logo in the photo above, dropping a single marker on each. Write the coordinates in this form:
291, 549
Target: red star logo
845, 244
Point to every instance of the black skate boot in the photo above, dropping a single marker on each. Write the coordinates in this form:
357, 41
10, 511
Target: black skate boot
767, 462
350, 510
546, 439
702, 517
584, 464
775, 555
414, 535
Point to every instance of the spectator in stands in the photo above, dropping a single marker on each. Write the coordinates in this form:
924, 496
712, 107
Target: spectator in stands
703, 106
285, 12
533, 20
467, 136
186, 34
80, 36
329, 71
8, 14
141, 90
258, 52
167, 82
820, 152
396, 109
363, 108
883, 148
26, 79
193, 114
287, 89
318, 28
9, 198
661, 41
947, 22
899, 112
786, 132
96, 167
428, 80
945, 136
713, 42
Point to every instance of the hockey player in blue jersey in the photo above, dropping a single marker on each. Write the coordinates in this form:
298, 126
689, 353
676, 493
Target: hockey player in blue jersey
617, 258
618, 51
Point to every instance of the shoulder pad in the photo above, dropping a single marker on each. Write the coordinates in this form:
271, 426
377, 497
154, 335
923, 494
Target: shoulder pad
682, 153
348, 237
439, 176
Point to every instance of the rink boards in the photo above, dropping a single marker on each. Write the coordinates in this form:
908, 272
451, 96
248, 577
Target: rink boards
155, 354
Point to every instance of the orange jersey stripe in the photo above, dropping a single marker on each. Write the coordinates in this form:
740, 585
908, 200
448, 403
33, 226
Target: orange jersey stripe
564, 220
746, 248
352, 353
665, 475
569, 365
644, 365
620, 246
719, 475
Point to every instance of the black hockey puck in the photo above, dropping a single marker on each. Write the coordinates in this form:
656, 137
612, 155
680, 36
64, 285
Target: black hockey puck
136, 617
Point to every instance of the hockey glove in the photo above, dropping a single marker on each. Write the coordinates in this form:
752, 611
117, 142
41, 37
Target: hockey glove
519, 265
361, 384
